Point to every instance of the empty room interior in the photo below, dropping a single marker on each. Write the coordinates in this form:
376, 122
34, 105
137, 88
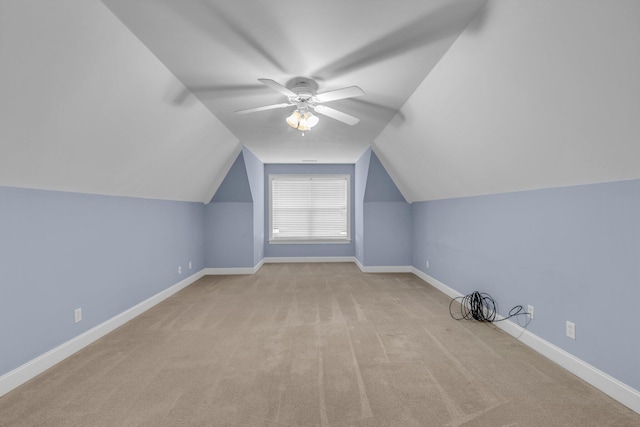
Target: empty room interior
330, 213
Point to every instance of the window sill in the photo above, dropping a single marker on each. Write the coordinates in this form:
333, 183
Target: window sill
309, 242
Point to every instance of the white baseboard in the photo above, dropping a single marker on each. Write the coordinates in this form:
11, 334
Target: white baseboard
272, 260
370, 269
384, 268
450, 292
276, 260
34, 367
234, 270
602, 381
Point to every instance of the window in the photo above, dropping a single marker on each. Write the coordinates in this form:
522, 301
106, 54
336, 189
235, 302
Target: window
309, 209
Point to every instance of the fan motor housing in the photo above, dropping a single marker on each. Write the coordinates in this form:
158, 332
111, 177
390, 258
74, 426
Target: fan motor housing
304, 87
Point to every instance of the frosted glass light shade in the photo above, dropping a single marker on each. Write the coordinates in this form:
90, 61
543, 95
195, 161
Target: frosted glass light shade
312, 120
294, 119
302, 122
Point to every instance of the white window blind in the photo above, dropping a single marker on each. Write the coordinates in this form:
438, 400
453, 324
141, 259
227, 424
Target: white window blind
309, 208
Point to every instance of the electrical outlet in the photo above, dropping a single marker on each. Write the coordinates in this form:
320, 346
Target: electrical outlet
77, 315
426, 264
179, 269
530, 311
190, 265
571, 330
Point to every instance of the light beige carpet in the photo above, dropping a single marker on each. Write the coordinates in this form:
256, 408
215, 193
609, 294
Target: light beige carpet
308, 345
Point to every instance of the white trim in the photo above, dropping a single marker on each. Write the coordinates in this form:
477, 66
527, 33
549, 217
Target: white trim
284, 259
310, 177
34, 367
233, 270
371, 269
310, 242
602, 381
385, 269
450, 292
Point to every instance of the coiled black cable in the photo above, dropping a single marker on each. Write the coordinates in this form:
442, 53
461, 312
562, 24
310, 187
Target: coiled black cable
482, 307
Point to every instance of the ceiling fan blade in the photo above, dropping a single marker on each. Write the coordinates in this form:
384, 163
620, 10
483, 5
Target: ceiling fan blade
337, 115
334, 95
266, 107
278, 87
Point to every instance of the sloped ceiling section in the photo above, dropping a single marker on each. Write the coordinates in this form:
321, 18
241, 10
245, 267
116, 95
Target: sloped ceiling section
85, 107
220, 48
544, 94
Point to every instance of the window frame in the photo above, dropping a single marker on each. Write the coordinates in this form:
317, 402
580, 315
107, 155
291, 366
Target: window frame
307, 240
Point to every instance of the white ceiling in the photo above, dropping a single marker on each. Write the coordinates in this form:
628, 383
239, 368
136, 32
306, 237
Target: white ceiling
84, 108
547, 94
137, 98
219, 50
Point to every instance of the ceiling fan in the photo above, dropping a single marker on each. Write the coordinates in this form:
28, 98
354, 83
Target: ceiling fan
302, 95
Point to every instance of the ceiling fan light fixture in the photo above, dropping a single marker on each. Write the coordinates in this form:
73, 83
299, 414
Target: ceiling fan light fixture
312, 120
302, 121
303, 96
303, 126
294, 119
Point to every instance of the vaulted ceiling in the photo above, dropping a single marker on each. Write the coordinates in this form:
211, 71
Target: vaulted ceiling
467, 97
219, 50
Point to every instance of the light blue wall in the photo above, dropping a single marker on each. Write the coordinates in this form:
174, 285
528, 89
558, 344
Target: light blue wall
361, 171
229, 219
573, 253
307, 250
235, 186
255, 173
380, 187
385, 218
228, 234
387, 234
386, 227
60, 251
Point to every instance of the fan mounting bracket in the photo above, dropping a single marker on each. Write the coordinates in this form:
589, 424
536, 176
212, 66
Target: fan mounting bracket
305, 90
302, 84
